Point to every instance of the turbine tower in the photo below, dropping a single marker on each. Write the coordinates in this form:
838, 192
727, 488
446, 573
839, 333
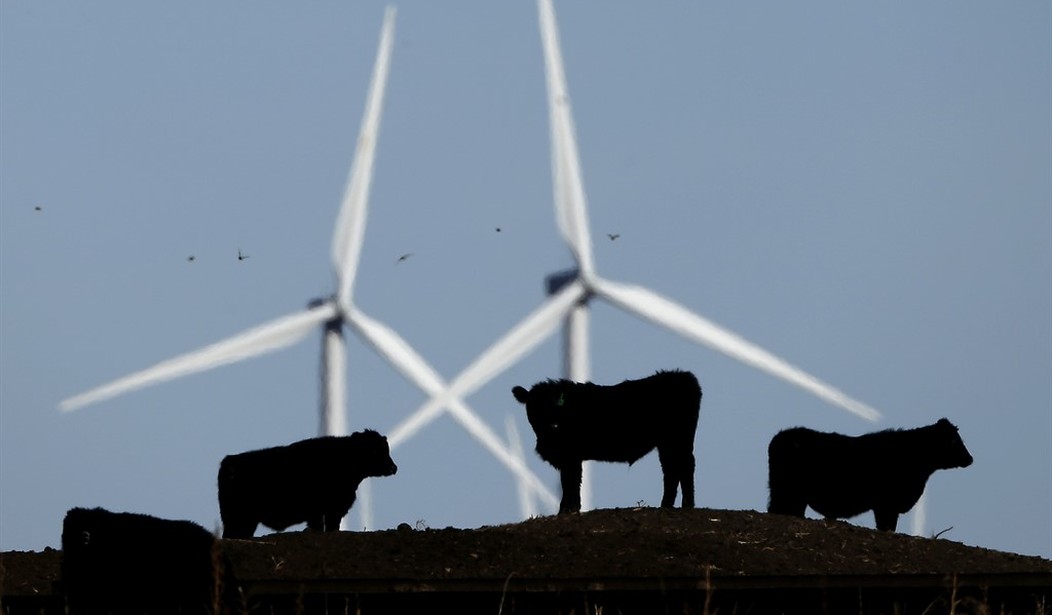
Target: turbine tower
571, 291
332, 314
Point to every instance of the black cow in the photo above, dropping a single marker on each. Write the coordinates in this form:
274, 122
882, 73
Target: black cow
132, 563
622, 422
841, 476
314, 480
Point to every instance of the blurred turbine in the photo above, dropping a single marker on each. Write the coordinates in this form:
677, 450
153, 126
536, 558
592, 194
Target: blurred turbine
570, 291
332, 314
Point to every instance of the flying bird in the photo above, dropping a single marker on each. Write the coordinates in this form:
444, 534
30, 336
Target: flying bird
403, 257
191, 258
613, 236
498, 229
39, 208
241, 256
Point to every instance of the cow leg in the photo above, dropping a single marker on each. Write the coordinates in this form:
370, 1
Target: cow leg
788, 492
887, 520
570, 476
677, 470
236, 512
332, 520
783, 502
316, 522
686, 481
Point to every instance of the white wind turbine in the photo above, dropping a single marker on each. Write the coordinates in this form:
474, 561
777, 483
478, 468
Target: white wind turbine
571, 291
332, 314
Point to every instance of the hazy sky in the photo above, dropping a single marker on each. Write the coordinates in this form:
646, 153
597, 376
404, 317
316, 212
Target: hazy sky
863, 189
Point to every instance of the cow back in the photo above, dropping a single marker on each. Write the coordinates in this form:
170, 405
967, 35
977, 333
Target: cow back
620, 422
119, 562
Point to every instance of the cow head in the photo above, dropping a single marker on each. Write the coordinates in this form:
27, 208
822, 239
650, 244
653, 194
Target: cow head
375, 453
547, 408
950, 450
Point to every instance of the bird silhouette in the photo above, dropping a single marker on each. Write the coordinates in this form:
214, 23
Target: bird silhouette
403, 257
38, 208
191, 258
613, 236
241, 256
498, 229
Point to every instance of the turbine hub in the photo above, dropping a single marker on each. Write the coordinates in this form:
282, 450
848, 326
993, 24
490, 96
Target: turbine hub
555, 282
336, 322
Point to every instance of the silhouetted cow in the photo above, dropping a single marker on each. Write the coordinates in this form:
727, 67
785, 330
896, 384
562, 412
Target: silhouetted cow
313, 481
622, 422
841, 476
132, 563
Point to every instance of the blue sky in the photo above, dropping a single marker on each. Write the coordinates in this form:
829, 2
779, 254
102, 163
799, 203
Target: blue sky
864, 190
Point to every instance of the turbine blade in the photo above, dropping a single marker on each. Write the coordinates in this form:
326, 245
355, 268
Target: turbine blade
670, 315
424, 415
525, 492
920, 515
365, 509
485, 436
475, 427
521, 339
407, 361
397, 352
259, 340
518, 341
350, 224
571, 206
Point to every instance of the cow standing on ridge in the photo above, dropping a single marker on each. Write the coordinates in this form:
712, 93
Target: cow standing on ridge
313, 481
841, 476
622, 422
132, 563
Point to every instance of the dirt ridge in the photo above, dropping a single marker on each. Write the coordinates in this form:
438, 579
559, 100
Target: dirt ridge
618, 544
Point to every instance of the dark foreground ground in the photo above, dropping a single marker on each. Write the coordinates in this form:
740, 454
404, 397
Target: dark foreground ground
606, 561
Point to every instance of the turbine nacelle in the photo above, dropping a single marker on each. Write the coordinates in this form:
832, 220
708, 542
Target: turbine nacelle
555, 282
342, 310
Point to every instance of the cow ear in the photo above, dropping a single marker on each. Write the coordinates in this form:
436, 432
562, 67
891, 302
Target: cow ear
521, 394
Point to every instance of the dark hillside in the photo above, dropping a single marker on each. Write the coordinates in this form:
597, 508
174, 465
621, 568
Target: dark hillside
619, 560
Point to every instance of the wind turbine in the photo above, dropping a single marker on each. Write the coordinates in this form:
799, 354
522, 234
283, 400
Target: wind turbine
332, 314
571, 291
